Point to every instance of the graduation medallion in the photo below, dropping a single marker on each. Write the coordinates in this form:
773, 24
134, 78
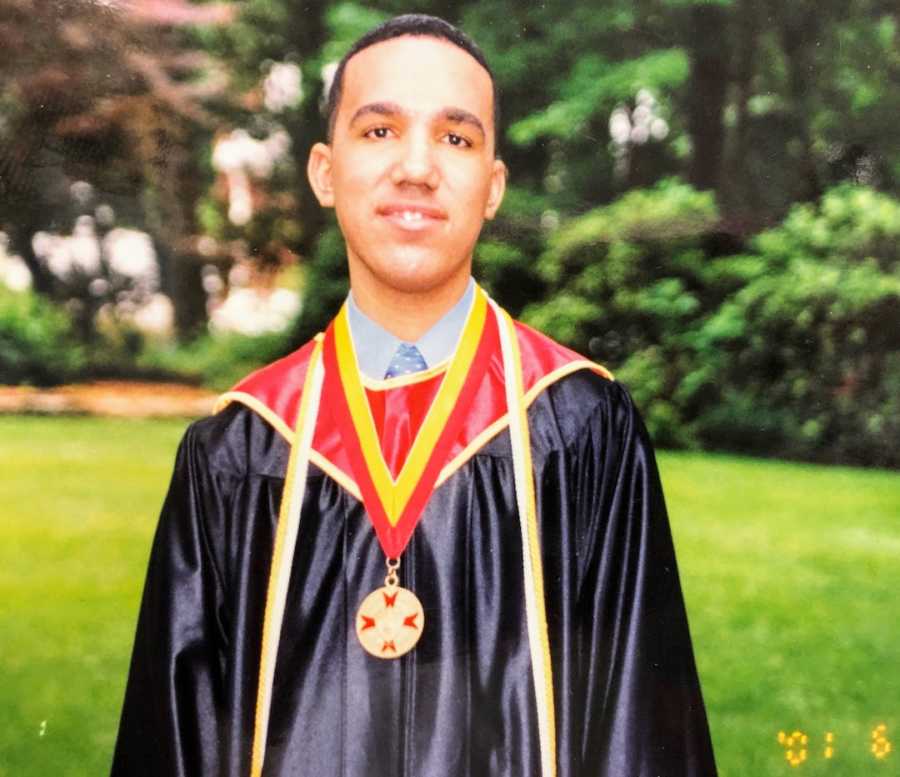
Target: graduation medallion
390, 620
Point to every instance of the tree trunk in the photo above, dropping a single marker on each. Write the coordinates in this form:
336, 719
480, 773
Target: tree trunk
706, 102
174, 191
737, 187
799, 35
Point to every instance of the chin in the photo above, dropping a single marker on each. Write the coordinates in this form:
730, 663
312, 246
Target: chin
415, 272
414, 282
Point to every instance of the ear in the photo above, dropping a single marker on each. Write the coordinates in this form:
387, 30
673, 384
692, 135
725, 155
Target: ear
318, 171
498, 187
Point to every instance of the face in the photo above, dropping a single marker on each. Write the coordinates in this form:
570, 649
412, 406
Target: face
411, 171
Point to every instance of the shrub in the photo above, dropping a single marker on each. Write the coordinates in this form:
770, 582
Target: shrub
627, 281
216, 361
37, 345
623, 277
787, 349
804, 363
325, 286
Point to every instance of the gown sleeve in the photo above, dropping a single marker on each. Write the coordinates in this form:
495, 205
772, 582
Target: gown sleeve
171, 716
643, 709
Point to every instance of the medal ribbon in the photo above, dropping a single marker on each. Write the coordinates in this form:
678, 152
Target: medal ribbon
395, 506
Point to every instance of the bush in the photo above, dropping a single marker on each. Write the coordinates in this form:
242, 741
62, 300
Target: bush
216, 361
325, 286
804, 363
623, 277
851, 223
37, 345
788, 349
627, 281
505, 257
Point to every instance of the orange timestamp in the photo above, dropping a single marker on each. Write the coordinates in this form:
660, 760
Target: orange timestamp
797, 745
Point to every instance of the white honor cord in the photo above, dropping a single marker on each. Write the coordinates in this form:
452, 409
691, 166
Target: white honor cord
538, 638
283, 554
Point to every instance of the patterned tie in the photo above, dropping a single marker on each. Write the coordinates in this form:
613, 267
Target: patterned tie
406, 361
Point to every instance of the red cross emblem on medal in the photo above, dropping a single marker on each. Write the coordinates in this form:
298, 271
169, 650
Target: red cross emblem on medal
389, 622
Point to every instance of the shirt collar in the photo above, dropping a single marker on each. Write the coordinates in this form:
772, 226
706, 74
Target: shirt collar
375, 346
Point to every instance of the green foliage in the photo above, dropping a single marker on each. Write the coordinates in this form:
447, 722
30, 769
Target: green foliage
346, 22
595, 86
325, 285
260, 32
37, 343
853, 223
622, 276
505, 257
788, 349
218, 361
626, 281
669, 211
803, 359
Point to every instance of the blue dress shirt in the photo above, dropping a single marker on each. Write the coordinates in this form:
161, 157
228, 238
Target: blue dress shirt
375, 346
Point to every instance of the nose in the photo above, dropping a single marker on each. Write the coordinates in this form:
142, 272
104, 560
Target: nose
416, 164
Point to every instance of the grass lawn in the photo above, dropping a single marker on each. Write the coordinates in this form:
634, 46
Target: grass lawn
791, 574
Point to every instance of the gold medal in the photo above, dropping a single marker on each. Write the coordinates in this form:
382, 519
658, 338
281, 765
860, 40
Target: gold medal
390, 620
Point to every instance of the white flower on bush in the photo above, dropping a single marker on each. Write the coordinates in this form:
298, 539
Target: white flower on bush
156, 316
238, 156
639, 125
328, 72
252, 311
68, 256
14, 273
130, 253
121, 266
620, 125
283, 86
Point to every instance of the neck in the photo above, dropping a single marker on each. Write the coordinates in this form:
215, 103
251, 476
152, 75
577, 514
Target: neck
408, 315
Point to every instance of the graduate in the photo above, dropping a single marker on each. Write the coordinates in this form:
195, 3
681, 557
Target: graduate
431, 542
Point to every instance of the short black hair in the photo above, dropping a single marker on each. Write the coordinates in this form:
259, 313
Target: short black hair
416, 25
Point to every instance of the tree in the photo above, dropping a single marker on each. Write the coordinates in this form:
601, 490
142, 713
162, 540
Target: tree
122, 110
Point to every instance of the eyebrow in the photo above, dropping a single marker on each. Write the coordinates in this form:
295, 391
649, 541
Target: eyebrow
454, 115
461, 116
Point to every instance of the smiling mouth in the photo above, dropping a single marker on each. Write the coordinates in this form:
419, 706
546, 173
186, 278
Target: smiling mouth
411, 218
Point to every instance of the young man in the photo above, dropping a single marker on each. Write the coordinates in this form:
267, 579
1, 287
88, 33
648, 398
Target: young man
431, 542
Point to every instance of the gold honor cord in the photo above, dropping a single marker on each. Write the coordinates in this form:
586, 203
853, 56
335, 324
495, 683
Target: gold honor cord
538, 639
395, 495
283, 553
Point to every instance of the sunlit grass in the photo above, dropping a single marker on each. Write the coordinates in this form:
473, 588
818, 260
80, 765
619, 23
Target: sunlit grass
80, 500
790, 572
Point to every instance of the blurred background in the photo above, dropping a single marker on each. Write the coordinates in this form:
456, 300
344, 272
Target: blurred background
704, 196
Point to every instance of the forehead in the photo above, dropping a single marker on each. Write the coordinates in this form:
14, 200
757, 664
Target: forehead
421, 74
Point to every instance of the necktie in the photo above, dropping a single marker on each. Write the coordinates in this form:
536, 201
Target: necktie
406, 360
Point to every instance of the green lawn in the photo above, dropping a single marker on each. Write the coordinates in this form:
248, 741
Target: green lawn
791, 574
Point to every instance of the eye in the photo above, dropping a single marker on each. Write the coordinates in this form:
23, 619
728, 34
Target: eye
458, 140
378, 132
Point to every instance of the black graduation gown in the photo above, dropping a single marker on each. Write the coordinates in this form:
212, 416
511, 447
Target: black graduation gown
461, 704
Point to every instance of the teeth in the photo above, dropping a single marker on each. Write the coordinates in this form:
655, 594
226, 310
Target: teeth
411, 215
